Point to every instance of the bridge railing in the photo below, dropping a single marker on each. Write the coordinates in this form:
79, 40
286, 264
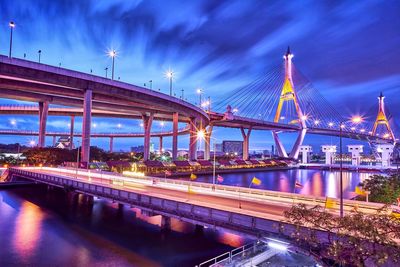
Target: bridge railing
235, 192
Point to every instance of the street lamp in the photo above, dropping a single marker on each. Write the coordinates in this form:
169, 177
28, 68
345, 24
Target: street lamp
77, 159
199, 91
12, 26
170, 74
39, 53
355, 120
112, 54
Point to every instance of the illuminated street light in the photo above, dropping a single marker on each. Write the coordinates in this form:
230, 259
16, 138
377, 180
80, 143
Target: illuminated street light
342, 126
356, 119
94, 125
330, 124
199, 91
200, 134
235, 110
13, 122
304, 117
162, 123
316, 122
12, 26
170, 75
112, 54
353, 128
119, 125
362, 130
32, 143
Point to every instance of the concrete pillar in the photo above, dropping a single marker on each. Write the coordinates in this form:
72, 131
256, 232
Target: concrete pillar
246, 139
71, 133
355, 151
175, 117
192, 139
305, 153
111, 144
86, 123
43, 112
160, 146
280, 149
165, 223
54, 140
207, 143
294, 154
386, 151
147, 122
330, 152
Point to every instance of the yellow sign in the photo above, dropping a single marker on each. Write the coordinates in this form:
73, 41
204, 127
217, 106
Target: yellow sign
330, 203
193, 176
256, 181
360, 191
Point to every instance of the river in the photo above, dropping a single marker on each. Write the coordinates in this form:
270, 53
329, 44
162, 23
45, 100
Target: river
41, 227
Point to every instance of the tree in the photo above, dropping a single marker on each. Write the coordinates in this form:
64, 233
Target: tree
357, 239
49, 155
383, 189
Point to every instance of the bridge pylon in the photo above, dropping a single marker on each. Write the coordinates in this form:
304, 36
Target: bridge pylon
381, 118
288, 94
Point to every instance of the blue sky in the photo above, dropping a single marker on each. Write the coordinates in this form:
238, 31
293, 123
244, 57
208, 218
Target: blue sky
348, 49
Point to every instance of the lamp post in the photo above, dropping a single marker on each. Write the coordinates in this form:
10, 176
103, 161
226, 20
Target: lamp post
199, 91
112, 54
170, 74
39, 53
77, 161
106, 69
12, 26
355, 120
341, 169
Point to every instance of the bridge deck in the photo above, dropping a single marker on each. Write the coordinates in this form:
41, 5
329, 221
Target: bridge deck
259, 211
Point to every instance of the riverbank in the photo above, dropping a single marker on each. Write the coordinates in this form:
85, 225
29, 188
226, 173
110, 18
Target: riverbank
223, 171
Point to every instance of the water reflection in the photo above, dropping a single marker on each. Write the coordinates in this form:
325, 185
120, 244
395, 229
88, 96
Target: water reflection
27, 229
315, 182
53, 228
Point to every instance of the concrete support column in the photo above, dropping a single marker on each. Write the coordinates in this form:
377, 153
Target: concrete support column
246, 139
299, 141
192, 139
330, 152
147, 122
386, 151
111, 144
355, 151
54, 140
86, 123
160, 146
280, 149
207, 144
175, 117
305, 153
165, 223
43, 112
71, 133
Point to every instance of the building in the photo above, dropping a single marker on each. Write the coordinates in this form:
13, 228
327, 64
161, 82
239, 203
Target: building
232, 147
63, 142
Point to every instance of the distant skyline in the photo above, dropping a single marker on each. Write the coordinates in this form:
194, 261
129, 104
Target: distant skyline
349, 50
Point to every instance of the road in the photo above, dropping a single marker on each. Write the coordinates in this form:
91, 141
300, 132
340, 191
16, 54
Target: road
259, 203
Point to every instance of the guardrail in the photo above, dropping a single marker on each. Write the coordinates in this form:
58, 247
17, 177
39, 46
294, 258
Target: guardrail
235, 192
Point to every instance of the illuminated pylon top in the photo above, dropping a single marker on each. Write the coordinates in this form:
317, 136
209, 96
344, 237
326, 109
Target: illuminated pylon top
381, 118
288, 92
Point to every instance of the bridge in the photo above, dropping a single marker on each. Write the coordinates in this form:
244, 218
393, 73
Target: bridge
283, 100
245, 210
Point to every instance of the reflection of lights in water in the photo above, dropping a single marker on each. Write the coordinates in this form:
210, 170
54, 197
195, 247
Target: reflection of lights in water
230, 239
27, 230
317, 184
331, 185
284, 184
